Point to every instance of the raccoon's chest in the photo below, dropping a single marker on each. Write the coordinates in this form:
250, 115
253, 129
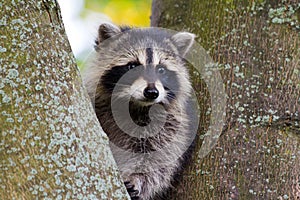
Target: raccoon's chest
140, 115
140, 132
137, 115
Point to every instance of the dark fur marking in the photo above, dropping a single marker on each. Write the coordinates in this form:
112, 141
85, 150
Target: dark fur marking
170, 83
111, 77
149, 56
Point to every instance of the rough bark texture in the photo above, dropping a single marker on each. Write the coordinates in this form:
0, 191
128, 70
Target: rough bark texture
256, 47
51, 144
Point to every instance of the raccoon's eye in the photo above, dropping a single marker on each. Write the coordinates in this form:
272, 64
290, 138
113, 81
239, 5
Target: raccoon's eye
132, 65
161, 70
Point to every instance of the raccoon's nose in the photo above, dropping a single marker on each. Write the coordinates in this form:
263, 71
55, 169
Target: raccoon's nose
150, 92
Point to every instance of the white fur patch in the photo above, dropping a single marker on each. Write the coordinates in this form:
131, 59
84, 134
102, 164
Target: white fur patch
162, 93
138, 87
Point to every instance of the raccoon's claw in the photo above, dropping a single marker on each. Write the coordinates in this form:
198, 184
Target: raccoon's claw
131, 191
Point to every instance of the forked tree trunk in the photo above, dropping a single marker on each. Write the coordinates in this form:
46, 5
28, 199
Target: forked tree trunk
51, 144
256, 46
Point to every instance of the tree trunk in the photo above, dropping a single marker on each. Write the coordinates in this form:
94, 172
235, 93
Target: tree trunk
52, 145
256, 47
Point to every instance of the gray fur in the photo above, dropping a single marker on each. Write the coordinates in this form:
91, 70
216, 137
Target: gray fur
147, 162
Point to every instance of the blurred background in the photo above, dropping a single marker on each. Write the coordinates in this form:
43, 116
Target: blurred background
83, 17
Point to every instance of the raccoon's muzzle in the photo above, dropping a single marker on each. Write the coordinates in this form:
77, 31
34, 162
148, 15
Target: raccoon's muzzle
151, 92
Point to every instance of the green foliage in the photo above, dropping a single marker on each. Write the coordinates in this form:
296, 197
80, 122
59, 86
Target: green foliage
129, 12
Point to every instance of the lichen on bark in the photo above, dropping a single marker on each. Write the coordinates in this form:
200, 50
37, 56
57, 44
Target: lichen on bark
52, 145
256, 46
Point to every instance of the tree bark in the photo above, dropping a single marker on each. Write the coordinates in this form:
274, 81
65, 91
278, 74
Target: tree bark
256, 47
52, 146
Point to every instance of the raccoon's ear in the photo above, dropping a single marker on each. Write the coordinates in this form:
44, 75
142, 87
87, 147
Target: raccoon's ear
183, 41
106, 31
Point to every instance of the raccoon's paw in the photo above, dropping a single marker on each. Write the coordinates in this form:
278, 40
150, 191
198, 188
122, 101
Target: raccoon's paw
132, 191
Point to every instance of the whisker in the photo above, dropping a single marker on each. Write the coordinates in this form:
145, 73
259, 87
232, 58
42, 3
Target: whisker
119, 84
171, 97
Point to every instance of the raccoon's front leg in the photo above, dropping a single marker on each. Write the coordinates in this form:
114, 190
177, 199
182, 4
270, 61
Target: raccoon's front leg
139, 187
132, 191
134, 185
143, 186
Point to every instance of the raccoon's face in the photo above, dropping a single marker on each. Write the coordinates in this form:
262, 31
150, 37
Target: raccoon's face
144, 65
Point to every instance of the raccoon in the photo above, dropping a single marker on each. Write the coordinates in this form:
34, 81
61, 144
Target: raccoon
142, 94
